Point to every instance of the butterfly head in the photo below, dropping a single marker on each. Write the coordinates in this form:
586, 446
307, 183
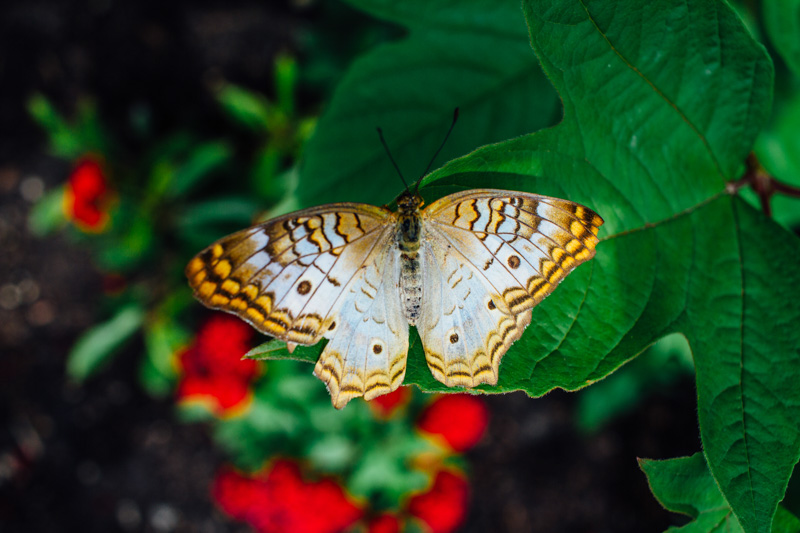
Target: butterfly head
409, 202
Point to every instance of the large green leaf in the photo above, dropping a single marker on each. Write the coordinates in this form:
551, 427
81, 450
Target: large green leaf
662, 102
471, 54
684, 485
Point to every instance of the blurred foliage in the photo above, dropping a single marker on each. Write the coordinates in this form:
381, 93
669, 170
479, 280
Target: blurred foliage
661, 365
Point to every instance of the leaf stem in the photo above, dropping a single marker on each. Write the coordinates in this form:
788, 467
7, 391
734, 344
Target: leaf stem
764, 185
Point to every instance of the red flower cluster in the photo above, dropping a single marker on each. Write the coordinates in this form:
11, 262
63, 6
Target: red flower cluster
87, 197
460, 420
384, 523
213, 370
279, 500
386, 405
444, 506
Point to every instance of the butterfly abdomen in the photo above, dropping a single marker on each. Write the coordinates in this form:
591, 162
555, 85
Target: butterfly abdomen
409, 228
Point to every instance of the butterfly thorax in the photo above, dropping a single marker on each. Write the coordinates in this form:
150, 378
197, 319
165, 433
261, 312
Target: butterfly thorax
407, 238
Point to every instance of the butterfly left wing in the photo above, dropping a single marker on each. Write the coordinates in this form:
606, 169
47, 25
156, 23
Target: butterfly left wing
492, 255
312, 274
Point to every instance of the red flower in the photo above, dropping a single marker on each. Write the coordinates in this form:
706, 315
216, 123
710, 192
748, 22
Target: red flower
459, 419
279, 500
444, 506
385, 405
213, 370
385, 523
87, 197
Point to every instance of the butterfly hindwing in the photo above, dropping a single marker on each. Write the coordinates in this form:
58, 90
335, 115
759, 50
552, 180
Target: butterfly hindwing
464, 332
367, 354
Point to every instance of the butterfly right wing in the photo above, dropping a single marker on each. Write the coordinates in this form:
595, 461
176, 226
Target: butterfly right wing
304, 276
497, 254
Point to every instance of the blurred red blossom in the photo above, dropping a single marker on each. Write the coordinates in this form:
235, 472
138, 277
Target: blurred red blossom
459, 419
213, 370
87, 197
279, 500
386, 405
384, 523
443, 507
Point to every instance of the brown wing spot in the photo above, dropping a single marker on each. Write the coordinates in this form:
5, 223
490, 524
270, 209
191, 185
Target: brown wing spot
333, 281
304, 287
332, 326
454, 338
491, 305
513, 261
377, 348
488, 263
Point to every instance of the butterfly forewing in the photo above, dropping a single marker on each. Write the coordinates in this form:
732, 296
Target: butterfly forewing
286, 276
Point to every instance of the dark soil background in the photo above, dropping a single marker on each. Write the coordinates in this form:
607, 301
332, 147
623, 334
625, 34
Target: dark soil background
105, 456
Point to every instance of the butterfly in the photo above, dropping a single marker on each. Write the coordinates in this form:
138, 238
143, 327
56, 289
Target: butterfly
466, 271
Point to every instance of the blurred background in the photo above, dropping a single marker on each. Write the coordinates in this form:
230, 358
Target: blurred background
133, 134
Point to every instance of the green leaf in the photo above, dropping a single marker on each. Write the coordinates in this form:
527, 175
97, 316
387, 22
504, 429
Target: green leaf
684, 485
248, 108
276, 349
782, 21
47, 214
198, 166
162, 339
474, 55
235, 210
285, 81
99, 343
64, 141
125, 250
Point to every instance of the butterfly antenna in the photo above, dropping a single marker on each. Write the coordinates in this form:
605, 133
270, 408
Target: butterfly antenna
386, 147
452, 125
